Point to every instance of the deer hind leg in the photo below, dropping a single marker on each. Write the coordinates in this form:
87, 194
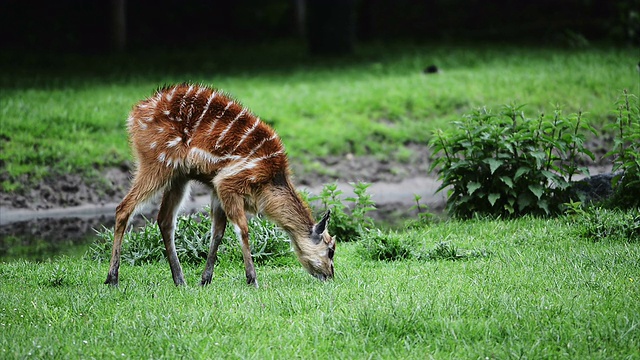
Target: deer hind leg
233, 204
218, 225
171, 202
142, 190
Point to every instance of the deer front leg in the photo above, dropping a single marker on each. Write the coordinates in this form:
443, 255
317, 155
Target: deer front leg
171, 201
219, 223
233, 205
242, 232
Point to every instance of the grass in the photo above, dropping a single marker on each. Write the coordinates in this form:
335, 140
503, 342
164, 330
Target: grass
541, 291
526, 288
67, 114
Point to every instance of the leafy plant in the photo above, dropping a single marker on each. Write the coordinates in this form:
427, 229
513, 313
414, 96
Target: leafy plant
192, 239
626, 153
423, 215
349, 219
508, 165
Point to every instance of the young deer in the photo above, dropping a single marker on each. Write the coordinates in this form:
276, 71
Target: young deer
191, 132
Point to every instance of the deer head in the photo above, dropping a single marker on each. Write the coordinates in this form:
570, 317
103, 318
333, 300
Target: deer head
316, 252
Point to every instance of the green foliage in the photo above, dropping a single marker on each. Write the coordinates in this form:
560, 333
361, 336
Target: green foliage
508, 165
268, 242
192, 239
424, 217
598, 224
392, 246
626, 153
349, 219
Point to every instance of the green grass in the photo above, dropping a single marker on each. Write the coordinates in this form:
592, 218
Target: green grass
68, 114
540, 292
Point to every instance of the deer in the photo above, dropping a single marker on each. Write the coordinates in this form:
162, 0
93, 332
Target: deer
193, 132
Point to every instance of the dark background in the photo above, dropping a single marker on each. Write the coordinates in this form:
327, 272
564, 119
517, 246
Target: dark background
325, 26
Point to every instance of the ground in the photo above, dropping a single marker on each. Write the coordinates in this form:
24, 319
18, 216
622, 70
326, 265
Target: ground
67, 198
74, 190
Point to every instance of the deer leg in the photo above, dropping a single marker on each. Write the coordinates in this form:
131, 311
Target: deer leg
233, 205
171, 201
242, 232
123, 214
218, 225
141, 190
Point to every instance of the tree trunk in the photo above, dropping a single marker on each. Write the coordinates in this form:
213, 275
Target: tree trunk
331, 26
118, 24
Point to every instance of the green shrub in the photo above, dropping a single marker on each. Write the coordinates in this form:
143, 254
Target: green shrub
192, 239
268, 242
348, 221
508, 165
626, 153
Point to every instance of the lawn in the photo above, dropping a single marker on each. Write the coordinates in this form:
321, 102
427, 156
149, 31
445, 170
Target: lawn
537, 290
522, 288
68, 114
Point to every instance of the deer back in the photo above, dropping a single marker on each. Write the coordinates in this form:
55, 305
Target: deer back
198, 130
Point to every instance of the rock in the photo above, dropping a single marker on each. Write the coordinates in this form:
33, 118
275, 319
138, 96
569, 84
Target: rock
594, 188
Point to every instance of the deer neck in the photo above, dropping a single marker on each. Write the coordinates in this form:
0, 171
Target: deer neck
284, 206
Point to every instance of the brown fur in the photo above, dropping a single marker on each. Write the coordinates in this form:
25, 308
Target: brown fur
191, 132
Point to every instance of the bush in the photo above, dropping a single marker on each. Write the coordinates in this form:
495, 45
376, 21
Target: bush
626, 154
192, 239
508, 165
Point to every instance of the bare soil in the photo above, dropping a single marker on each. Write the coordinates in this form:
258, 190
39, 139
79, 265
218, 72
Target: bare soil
71, 190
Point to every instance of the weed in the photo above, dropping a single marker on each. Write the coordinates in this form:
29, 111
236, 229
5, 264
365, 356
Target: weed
626, 153
57, 277
393, 246
348, 221
444, 251
424, 217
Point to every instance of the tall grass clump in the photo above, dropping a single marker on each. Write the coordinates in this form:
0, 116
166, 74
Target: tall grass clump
421, 244
599, 224
505, 164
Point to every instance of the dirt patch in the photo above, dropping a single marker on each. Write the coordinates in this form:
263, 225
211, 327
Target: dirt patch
395, 180
71, 190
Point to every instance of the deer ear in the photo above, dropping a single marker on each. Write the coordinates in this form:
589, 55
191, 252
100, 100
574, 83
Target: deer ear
320, 227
